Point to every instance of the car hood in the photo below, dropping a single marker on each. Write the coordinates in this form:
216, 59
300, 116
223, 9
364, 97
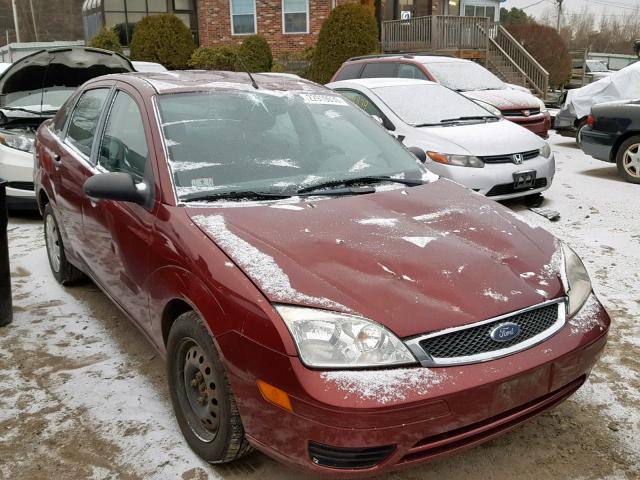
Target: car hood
415, 259
481, 139
60, 68
504, 99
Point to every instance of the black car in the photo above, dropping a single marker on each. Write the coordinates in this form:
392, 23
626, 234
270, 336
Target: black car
612, 134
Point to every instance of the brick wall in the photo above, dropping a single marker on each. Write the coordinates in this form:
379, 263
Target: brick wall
214, 23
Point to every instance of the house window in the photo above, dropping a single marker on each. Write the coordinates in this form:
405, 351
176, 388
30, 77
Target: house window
480, 11
295, 16
243, 17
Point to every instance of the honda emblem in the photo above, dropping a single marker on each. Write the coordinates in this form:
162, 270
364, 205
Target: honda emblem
518, 159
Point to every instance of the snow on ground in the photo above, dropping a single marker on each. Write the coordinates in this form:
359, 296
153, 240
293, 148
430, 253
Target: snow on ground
83, 395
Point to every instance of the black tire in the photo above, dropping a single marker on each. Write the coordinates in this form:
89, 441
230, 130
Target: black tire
202, 399
62, 270
534, 200
581, 125
626, 167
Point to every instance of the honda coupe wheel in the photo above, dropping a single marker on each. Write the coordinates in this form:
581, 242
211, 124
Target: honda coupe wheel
628, 160
62, 270
202, 399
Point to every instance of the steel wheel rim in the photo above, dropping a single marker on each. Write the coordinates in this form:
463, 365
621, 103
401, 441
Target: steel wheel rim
53, 243
200, 388
631, 160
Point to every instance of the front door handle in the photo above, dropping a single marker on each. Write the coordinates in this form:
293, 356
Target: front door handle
57, 161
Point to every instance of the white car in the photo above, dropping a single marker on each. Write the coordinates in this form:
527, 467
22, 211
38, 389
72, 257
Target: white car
462, 141
32, 90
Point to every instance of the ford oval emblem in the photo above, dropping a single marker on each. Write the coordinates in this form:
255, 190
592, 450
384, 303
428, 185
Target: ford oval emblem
505, 332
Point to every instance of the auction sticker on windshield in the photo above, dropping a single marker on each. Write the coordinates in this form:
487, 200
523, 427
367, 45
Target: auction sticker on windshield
323, 99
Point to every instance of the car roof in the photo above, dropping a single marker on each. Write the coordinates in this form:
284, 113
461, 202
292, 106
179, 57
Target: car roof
204, 80
373, 83
417, 58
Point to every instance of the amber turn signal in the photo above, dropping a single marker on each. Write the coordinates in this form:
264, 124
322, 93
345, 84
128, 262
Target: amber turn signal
438, 157
275, 395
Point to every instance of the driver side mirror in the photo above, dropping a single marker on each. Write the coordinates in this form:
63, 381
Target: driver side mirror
117, 186
419, 153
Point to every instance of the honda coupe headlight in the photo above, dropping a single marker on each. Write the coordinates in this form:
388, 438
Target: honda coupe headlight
334, 340
456, 160
488, 106
576, 280
546, 150
19, 141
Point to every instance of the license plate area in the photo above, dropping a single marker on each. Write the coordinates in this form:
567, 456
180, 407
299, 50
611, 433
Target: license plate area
526, 179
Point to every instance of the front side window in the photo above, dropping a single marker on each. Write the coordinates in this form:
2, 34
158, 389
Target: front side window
124, 146
430, 104
380, 70
363, 102
295, 15
243, 17
232, 141
84, 121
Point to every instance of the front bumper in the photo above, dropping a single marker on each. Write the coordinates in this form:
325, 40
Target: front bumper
538, 124
598, 144
495, 180
469, 404
16, 168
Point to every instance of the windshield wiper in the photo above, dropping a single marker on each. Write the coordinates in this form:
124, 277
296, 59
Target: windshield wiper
35, 112
359, 180
471, 117
233, 195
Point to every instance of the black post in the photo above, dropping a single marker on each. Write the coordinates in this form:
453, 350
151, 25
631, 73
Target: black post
6, 308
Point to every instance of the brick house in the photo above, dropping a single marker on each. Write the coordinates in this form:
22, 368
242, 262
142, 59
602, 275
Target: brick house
288, 25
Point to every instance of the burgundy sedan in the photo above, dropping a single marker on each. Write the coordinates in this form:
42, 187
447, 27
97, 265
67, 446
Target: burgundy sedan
317, 293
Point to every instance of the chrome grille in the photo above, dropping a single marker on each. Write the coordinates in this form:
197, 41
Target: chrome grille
509, 158
473, 343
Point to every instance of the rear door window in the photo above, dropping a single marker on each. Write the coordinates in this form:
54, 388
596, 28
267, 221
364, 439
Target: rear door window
380, 70
349, 71
84, 121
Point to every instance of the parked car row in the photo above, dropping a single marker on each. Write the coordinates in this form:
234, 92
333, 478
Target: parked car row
319, 294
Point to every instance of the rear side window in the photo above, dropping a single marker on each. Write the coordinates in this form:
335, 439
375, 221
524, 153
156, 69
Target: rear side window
380, 70
349, 71
84, 121
406, 70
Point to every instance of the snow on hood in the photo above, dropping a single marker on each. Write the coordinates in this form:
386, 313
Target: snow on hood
504, 99
621, 85
451, 257
483, 139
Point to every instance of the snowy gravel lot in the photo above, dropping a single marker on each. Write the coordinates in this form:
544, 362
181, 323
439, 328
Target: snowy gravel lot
83, 395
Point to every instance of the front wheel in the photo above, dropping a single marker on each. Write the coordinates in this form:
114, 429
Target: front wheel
628, 159
202, 399
62, 270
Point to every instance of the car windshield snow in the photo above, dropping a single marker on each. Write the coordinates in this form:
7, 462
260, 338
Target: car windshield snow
464, 76
431, 104
272, 143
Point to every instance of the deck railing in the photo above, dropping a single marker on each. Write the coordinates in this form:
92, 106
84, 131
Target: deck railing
437, 32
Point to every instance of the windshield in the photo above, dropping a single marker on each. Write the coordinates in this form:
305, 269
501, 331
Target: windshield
464, 76
597, 66
274, 141
429, 104
50, 100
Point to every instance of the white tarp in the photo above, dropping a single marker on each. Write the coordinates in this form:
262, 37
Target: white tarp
621, 85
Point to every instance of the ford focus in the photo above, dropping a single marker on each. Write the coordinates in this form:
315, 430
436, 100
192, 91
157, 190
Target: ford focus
318, 294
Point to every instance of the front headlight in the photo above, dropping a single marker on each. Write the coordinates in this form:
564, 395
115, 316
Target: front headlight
488, 106
546, 150
456, 160
334, 340
543, 107
576, 280
19, 141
